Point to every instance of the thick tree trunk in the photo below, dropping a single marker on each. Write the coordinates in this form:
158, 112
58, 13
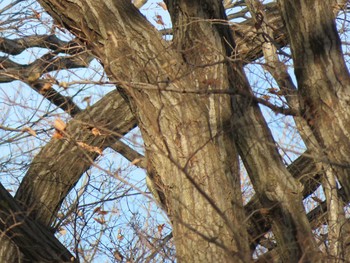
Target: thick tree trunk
200, 42
170, 122
249, 49
201, 45
188, 137
323, 82
191, 161
276, 188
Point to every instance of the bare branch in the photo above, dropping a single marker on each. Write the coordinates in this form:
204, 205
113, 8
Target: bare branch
18, 45
61, 160
130, 154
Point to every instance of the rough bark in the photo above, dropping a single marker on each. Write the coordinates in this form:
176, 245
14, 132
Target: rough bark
178, 99
192, 172
304, 170
190, 32
62, 161
202, 46
276, 188
323, 82
15, 71
33, 239
166, 133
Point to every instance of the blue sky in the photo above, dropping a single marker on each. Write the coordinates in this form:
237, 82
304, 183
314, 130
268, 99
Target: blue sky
21, 106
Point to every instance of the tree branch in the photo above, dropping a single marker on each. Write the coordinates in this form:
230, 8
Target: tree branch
18, 45
33, 239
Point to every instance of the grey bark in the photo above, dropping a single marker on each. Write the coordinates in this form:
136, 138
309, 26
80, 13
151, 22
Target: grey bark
162, 149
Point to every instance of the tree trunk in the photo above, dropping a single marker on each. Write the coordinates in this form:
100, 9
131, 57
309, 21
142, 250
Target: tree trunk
203, 43
198, 174
192, 139
30, 193
323, 82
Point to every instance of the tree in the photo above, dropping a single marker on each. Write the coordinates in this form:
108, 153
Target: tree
198, 116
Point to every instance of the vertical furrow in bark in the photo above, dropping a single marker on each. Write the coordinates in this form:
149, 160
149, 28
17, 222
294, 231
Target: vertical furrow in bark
276, 188
200, 190
186, 156
200, 44
323, 83
299, 240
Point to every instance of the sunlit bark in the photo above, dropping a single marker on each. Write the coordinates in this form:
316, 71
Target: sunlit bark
323, 82
192, 140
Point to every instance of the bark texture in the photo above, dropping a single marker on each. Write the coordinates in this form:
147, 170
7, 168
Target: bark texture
33, 239
193, 139
323, 82
276, 188
248, 49
191, 172
62, 161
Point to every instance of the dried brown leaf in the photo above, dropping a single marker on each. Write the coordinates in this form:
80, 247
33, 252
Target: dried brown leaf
90, 148
118, 256
102, 212
266, 97
57, 135
86, 99
63, 231
29, 130
159, 20
99, 208
45, 87
63, 85
59, 125
120, 236
101, 221
162, 5
160, 228
96, 131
